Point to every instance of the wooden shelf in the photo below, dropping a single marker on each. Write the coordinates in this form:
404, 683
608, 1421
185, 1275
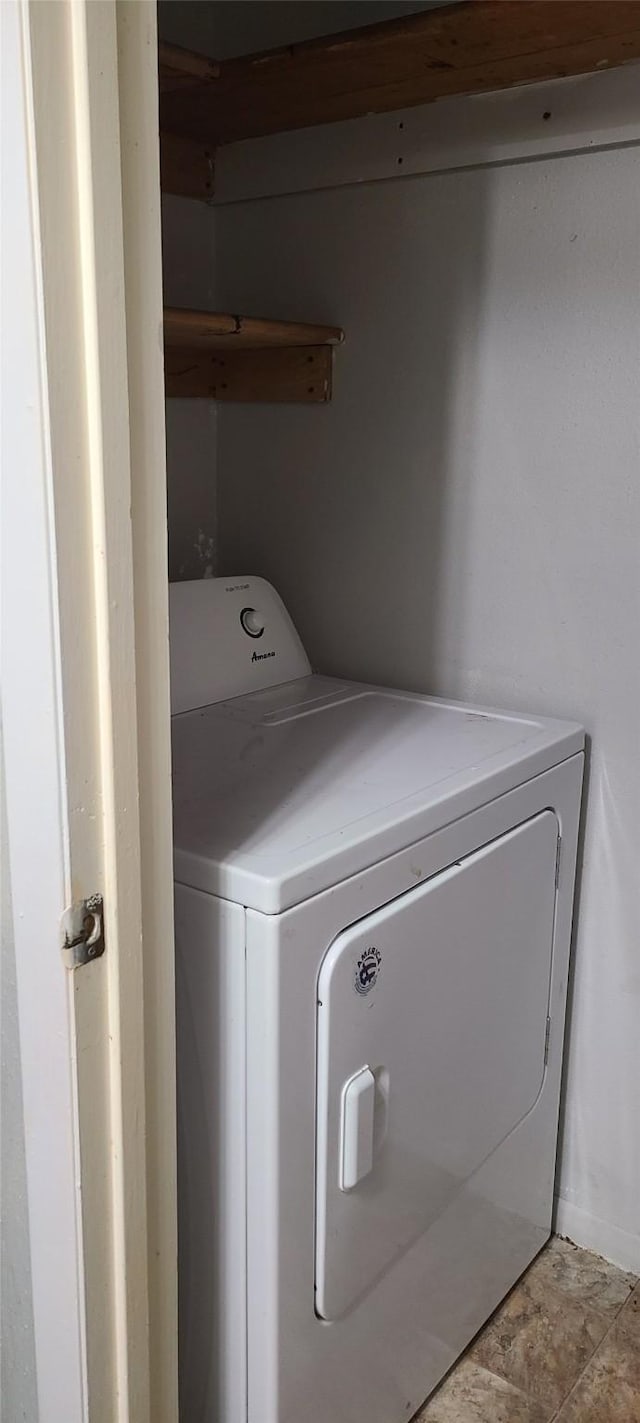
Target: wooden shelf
466, 48
219, 331
225, 357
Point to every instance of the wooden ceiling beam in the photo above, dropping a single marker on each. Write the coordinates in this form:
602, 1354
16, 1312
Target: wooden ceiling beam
187, 169
180, 68
466, 48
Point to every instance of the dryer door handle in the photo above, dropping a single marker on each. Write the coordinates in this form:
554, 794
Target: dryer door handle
356, 1133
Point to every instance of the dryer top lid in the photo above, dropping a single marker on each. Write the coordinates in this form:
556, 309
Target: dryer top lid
281, 794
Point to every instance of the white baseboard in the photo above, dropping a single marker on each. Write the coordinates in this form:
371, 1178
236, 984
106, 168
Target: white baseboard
615, 1244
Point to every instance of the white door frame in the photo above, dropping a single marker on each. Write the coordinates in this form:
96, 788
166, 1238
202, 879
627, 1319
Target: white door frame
141, 217
35, 867
85, 685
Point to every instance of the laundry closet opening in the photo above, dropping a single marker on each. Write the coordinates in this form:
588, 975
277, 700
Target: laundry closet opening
400, 288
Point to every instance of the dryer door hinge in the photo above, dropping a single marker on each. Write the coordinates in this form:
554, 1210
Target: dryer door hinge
547, 1036
558, 853
83, 931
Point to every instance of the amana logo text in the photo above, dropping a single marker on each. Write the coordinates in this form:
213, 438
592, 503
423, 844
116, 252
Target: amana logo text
367, 970
262, 656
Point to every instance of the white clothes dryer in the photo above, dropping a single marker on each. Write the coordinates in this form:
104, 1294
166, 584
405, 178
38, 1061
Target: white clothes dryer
373, 913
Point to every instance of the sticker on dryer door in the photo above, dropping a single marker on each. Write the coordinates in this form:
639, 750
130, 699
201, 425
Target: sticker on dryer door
367, 970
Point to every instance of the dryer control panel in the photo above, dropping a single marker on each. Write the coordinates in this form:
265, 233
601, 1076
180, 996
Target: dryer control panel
229, 636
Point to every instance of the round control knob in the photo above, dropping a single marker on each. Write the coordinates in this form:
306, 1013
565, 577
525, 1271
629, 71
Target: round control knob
251, 622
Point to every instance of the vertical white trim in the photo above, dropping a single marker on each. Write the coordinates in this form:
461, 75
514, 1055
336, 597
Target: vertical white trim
102, 276
55, 122
76, 113
34, 768
138, 84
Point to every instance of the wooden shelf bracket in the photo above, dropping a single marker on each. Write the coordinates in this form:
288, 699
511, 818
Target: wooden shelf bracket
218, 356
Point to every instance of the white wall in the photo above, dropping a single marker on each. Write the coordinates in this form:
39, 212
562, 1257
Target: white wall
188, 239
188, 253
18, 1372
465, 517
18, 1383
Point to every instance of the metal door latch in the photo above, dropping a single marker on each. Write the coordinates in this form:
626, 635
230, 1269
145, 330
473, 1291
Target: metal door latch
83, 930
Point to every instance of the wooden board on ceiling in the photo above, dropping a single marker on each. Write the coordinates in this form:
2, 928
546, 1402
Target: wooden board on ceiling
466, 48
180, 68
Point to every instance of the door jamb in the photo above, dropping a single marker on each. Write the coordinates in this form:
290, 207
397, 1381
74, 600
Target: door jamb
107, 467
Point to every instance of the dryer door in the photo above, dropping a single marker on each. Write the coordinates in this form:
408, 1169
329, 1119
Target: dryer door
432, 1018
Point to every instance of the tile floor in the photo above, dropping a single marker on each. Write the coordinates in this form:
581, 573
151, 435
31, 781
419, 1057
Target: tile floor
564, 1346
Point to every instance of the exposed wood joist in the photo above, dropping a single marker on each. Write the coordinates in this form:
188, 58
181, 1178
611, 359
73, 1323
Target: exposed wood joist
224, 357
186, 165
466, 48
186, 168
180, 68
